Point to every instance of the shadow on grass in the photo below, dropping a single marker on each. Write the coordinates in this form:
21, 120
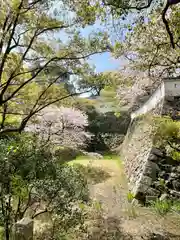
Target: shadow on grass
93, 175
102, 229
108, 229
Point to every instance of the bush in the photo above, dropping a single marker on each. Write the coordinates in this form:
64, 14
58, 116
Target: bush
32, 176
167, 135
166, 129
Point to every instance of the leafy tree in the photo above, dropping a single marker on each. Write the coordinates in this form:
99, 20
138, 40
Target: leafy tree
38, 46
147, 47
119, 11
108, 130
107, 127
139, 9
34, 182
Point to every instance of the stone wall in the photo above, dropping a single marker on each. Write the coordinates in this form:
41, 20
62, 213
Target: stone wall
137, 150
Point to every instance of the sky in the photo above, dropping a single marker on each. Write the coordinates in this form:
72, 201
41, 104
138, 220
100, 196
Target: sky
103, 61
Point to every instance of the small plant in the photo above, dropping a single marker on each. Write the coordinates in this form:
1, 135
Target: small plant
162, 207
162, 184
175, 155
176, 206
131, 211
131, 208
130, 197
97, 205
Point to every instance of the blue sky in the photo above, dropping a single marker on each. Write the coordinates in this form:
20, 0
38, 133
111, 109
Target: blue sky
104, 61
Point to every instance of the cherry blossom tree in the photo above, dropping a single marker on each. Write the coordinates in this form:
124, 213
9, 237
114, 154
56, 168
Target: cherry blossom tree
63, 126
135, 89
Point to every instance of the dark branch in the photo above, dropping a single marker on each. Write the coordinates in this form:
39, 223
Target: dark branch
39, 71
168, 4
35, 111
174, 147
4, 115
167, 25
127, 7
8, 48
39, 213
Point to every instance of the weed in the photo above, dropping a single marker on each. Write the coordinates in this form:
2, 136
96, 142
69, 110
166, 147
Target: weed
162, 207
131, 208
130, 197
176, 206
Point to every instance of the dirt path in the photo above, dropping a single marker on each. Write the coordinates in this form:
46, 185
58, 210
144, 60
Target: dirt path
112, 193
122, 220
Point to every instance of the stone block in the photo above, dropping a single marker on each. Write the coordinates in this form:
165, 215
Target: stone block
151, 170
166, 167
174, 175
177, 169
145, 180
157, 152
163, 197
176, 184
153, 157
23, 229
153, 192
170, 98
175, 193
151, 198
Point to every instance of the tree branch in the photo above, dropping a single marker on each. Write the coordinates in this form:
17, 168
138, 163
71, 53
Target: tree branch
175, 148
167, 25
45, 90
127, 7
39, 71
39, 213
168, 4
10, 40
32, 113
4, 115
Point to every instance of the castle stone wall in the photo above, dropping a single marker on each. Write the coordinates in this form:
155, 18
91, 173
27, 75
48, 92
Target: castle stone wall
137, 147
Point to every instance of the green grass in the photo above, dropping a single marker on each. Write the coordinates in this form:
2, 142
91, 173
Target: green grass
111, 157
115, 158
1, 233
82, 157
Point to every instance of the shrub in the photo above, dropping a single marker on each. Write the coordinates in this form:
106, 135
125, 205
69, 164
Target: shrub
167, 135
166, 129
130, 197
176, 206
32, 176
